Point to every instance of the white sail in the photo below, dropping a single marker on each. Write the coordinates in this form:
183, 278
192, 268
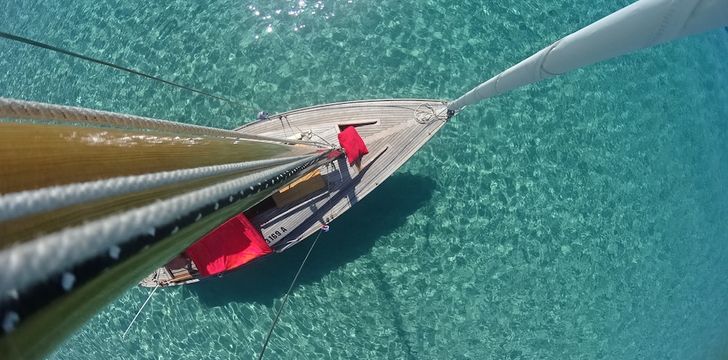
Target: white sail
642, 24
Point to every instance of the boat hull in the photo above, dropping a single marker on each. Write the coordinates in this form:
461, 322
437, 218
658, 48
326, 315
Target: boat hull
393, 131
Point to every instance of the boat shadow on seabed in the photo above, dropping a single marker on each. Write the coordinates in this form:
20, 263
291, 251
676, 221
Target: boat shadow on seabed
351, 236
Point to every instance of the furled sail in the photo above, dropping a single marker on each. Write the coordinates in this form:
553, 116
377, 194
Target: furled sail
92, 201
642, 24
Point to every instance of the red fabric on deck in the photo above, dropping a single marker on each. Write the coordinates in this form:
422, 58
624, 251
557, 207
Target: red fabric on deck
230, 245
353, 144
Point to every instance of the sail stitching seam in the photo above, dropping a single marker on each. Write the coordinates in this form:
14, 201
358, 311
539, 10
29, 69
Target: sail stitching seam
545, 56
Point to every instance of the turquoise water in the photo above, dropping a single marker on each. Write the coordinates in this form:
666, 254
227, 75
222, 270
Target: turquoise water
580, 218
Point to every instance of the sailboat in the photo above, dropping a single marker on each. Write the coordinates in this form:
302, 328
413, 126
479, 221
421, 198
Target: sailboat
93, 201
395, 129
374, 137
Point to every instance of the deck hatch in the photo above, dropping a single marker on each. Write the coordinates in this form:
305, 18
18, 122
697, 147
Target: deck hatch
297, 190
356, 123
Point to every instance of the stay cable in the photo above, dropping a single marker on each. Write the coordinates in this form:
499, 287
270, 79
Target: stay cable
41, 45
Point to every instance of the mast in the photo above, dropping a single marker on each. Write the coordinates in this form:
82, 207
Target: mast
92, 201
642, 24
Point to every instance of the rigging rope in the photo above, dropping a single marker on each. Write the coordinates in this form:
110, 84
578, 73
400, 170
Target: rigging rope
30, 262
139, 312
21, 109
25, 203
285, 298
39, 44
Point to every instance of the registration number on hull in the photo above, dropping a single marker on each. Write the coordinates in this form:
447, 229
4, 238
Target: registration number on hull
276, 235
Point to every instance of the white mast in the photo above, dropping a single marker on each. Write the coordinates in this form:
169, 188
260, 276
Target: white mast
642, 24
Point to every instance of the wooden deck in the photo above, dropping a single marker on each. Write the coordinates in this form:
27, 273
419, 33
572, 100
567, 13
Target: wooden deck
393, 131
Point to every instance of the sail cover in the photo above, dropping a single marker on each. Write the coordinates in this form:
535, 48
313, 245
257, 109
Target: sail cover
641, 24
353, 144
230, 245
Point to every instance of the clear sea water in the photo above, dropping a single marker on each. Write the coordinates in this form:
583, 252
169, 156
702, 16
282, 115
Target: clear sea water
580, 218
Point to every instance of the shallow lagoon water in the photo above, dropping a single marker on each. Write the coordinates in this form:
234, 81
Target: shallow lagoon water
580, 218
